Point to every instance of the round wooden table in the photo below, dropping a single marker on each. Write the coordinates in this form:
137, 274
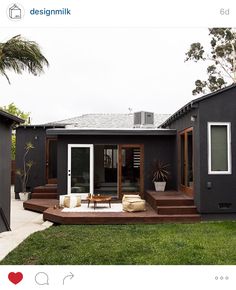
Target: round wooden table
98, 199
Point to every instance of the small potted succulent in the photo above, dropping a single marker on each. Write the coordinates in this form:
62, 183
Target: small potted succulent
160, 175
23, 173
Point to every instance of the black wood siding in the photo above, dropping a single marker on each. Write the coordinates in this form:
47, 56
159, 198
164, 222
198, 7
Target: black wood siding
5, 170
218, 108
155, 147
37, 136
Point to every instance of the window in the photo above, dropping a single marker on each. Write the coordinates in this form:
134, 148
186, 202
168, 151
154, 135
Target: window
219, 148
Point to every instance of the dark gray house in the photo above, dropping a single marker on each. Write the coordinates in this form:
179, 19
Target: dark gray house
97, 153
114, 153
206, 142
7, 121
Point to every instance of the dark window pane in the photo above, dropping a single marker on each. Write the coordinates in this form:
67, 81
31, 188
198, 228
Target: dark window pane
105, 170
52, 159
219, 149
190, 158
130, 170
80, 170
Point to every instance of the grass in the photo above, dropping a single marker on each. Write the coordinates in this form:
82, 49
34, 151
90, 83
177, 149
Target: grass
206, 243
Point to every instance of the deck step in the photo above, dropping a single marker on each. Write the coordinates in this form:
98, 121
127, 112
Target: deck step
181, 218
169, 198
175, 202
44, 195
45, 189
167, 210
39, 205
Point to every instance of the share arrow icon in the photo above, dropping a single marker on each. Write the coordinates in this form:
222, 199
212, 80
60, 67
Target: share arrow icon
69, 276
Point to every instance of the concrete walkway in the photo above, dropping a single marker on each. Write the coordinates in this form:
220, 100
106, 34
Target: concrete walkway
23, 224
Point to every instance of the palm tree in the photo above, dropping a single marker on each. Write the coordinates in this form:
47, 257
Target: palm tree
18, 55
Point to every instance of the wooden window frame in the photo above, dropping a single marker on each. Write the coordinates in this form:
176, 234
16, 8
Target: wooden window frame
123, 146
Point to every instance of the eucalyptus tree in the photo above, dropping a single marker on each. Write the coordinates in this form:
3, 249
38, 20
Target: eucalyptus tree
221, 57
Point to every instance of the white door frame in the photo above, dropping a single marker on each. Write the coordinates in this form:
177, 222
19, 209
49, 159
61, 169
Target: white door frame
91, 160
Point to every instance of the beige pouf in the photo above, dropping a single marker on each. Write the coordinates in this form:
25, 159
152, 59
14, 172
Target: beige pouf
70, 201
132, 203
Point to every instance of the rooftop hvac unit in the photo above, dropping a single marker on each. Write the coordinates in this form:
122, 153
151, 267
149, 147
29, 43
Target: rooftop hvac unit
143, 119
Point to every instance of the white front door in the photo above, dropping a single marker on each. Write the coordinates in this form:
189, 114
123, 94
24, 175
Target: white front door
80, 169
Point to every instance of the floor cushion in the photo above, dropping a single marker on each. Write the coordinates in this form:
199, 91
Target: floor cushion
70, 201
133, 203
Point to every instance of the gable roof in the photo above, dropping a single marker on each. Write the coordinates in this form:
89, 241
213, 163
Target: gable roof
192, 105
105, 121
10, 117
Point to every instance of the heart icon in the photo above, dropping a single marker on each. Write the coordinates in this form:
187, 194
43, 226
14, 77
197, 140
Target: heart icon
15, 278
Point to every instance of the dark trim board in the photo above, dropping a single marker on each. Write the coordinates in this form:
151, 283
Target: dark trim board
110, 132
11, 118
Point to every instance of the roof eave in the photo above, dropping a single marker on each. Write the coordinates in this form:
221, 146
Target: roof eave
110, 132
193, 105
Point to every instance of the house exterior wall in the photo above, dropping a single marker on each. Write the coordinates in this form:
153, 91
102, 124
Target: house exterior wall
155, 147
5, 170
37, 136
219, 108
181, 124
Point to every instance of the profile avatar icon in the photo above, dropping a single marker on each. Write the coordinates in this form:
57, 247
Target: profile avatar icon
15, 12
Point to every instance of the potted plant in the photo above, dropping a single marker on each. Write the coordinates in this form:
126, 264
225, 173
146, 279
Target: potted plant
24, 172
160, 175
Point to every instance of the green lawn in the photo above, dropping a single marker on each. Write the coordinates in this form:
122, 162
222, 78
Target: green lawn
161, 244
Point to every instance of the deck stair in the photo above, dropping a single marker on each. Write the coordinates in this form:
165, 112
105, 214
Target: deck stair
48, 191
173, 205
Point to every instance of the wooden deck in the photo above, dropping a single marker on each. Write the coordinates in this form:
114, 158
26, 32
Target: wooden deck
168, 214
40, 205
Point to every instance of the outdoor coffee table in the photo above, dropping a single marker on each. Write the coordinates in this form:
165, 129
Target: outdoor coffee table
98, 199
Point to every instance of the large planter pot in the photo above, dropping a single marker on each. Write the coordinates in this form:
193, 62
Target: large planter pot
24, 195
160, 185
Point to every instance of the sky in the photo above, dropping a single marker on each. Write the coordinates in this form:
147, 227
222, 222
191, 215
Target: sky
105, 70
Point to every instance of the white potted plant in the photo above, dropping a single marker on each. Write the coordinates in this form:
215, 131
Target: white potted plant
24, 172
160, 175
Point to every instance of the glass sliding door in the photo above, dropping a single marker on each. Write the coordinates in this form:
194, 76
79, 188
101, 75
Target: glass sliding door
51, 160
80, 169
182, 161
186, 161
190, 159
106, 170
130, 169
